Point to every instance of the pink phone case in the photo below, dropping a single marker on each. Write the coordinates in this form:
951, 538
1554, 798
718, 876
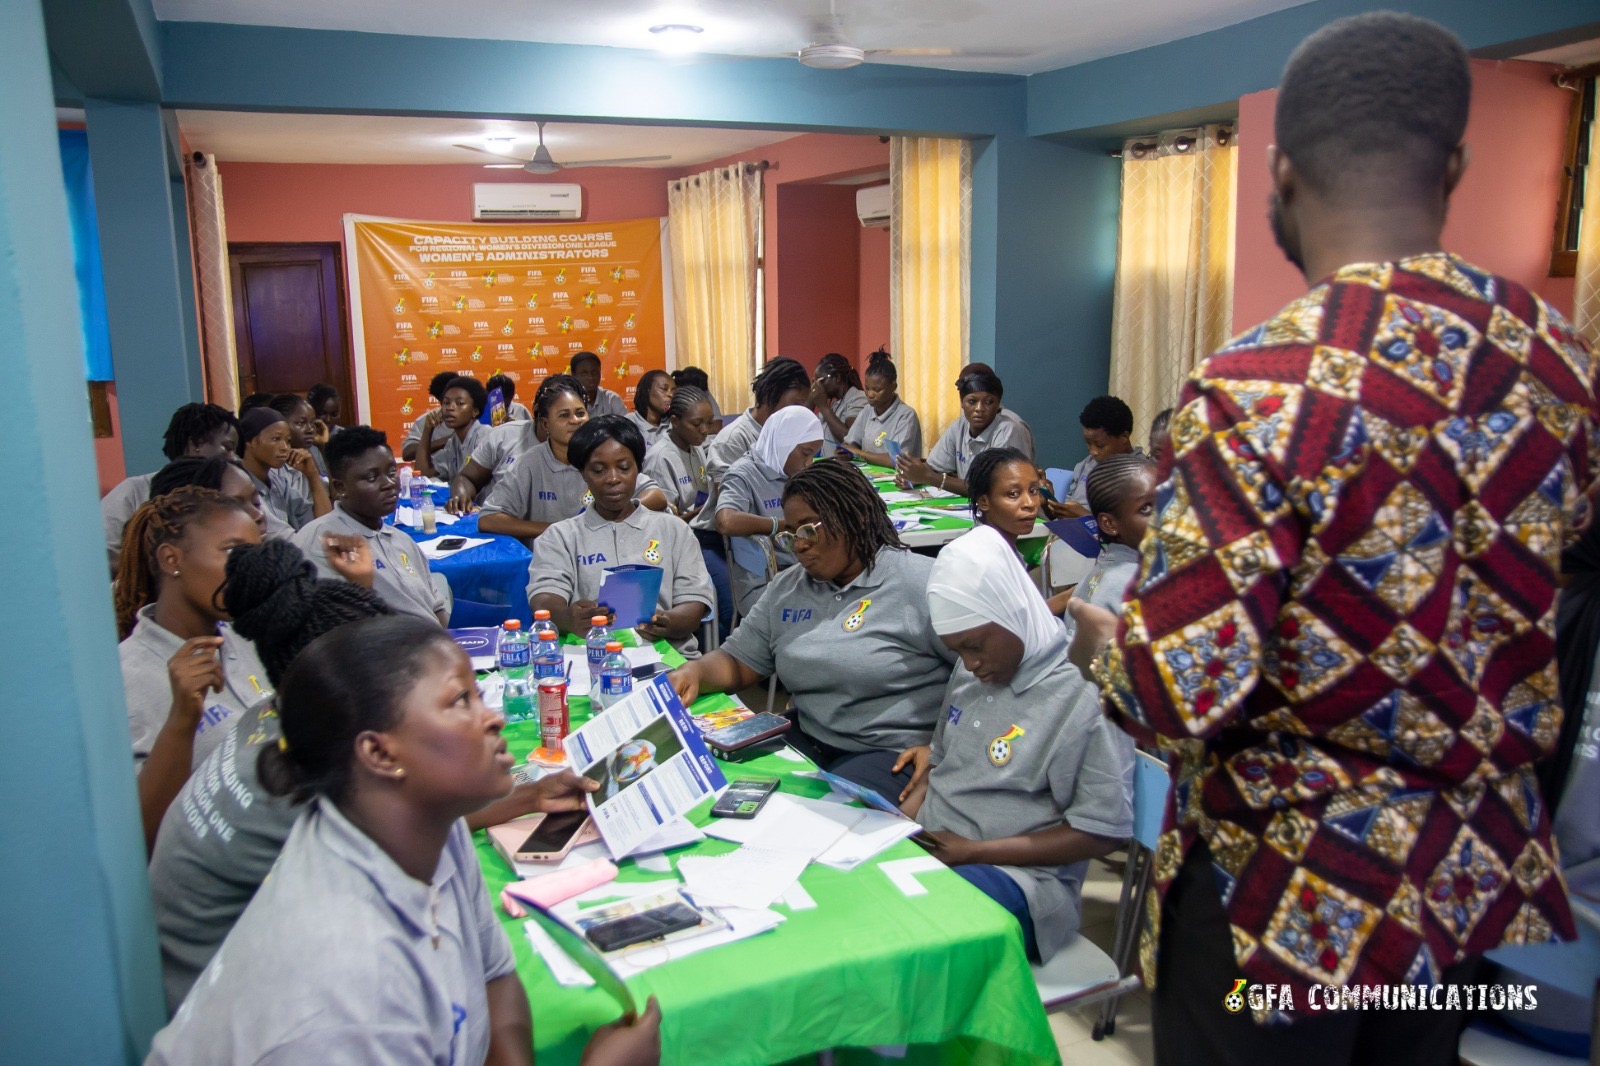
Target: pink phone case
549, 889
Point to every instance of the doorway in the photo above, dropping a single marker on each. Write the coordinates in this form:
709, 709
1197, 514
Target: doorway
289, 318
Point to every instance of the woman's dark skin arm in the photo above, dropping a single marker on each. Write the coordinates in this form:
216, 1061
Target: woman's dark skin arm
466, 486
511, 526
1060, 845
716, 672
510, 1023
675, 623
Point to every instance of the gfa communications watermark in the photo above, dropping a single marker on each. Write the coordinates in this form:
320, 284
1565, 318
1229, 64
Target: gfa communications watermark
1260, 997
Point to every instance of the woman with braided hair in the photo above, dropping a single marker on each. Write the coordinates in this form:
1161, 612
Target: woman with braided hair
846, 631
224, 474
836, 395
224, 830
185, 672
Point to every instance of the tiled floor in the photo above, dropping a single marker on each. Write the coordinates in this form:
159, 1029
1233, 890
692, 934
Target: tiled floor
1073, 1029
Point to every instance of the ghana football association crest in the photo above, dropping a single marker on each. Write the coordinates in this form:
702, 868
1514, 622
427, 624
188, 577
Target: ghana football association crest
1000, 747
652, 552
856, 618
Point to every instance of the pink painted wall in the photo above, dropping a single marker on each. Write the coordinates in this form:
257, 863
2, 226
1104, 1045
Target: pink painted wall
1501, 216
819, 268
872, 327
305, 201
108, 460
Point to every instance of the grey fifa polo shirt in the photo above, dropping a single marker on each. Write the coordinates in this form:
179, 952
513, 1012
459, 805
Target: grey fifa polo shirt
681, 474
145, 654
344, 958
650, 433
414, 434
401, 579
535, 487
733, 443
607, 402
574, 555
217, 841
1018, 758
118, 505
899, 423
956, 449
503, 445
1079, 493
862, 663
751, 488
286, 494
448, 461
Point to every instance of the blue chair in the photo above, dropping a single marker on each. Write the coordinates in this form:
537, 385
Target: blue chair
1080, 974
469, 615
1573, 968
1060, 480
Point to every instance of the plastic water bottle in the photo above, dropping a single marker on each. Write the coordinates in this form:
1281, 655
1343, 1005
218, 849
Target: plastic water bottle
595, 645
616, 677
414, 493
429, 518
405, 493
547, 658
514, 670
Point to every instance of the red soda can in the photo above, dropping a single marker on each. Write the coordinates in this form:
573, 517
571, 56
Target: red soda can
554, 720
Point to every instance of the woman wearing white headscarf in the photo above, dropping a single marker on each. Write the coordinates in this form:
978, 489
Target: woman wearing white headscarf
1028, 779
750, 501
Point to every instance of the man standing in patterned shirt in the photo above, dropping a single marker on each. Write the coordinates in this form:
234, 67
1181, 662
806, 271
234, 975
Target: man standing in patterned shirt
1343, 623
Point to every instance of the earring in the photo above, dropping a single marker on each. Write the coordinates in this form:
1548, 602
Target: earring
399, 772
174, 573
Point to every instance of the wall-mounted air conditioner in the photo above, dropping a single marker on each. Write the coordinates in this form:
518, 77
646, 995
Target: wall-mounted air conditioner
872, 205
511, 202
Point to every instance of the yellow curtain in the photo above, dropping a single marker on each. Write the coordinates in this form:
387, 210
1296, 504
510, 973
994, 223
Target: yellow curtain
1174, 288
213, 289
1586, 283
930, 241
714, 224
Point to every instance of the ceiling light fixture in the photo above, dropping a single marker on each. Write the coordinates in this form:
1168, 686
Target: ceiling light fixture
502, 166
676, 36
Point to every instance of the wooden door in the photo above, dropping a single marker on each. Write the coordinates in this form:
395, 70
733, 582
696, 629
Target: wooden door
289, 319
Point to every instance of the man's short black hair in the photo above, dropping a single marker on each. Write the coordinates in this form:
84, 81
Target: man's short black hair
600, 429
194, 423
778, 377
440, 382
472, 387
349, 444
1107, 413
1378, 94
582, 357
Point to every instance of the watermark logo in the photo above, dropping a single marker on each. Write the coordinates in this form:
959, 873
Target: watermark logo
1233, 1002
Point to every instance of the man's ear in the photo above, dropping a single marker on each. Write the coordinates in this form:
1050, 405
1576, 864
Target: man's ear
1285, 179
1456, 167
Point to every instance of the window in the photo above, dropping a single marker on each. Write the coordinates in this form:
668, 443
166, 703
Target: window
1575, 169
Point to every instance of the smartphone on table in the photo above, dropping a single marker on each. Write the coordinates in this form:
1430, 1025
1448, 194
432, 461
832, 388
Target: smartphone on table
551, 837
743, 734
450, 544
637, 928
744, 797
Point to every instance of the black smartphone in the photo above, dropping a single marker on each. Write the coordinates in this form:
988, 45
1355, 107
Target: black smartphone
745, 797
637, 928
450, 544
649, 670
763, 726
553, 833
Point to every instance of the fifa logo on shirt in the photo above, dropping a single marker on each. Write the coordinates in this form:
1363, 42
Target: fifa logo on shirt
590, 560
546, 494
652, 552
856, 618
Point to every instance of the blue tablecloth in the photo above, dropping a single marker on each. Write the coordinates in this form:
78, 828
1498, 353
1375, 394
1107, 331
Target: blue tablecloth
494, 573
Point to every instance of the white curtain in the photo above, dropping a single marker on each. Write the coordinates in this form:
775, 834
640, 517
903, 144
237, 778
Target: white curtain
213, 291
714, 223
1173, 303
1586, 279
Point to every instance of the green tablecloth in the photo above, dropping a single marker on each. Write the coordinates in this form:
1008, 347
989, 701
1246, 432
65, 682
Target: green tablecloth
1032, 549
866, 967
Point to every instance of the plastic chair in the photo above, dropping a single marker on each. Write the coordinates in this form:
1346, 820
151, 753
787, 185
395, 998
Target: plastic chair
1060, 479
1080, 974
1571, 967
469, 615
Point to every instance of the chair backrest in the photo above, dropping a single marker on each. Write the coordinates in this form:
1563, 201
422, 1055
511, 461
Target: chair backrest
469, 615
1150, 785
1060, 479
1573, 967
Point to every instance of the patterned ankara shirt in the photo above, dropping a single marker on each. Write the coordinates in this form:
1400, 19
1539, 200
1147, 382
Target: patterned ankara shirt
1344, 623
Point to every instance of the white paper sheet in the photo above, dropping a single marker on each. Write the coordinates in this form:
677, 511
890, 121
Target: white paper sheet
568, 974
898, 496
748, 877
798, 899
903, 872
431, 548
875, 833
790, 823
743, 923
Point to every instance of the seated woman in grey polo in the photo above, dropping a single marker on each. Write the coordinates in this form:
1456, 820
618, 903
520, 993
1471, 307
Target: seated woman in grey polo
1025, 780
374, 939
846, 631
750, 499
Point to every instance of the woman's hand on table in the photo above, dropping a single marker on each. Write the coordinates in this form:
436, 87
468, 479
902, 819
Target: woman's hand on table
686, 682
458, 504
628, 1041
561, 791
584, 612
952, 849
350, 556
914, 471
918, 758
192, 672
658, 628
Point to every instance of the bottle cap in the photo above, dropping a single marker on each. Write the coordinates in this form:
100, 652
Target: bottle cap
512, 623
541, 616
598, 620
613, 645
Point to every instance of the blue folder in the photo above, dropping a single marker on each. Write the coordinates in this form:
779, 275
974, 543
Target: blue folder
632, 591
1082, 535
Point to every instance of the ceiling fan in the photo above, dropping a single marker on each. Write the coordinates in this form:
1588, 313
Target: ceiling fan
830, 49
543, 163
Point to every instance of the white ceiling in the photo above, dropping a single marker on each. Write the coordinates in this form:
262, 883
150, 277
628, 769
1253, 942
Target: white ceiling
1046, 33
247, 137
1568, 55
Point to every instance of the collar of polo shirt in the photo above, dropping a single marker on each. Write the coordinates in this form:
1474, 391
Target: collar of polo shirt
348, 521
592, 518
410, 898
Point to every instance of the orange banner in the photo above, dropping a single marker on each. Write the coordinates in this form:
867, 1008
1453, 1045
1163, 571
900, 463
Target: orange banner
486, 299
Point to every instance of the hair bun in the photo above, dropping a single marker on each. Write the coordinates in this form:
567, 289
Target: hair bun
269, 589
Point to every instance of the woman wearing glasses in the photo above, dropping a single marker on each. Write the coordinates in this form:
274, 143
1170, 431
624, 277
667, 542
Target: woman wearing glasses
847, 632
